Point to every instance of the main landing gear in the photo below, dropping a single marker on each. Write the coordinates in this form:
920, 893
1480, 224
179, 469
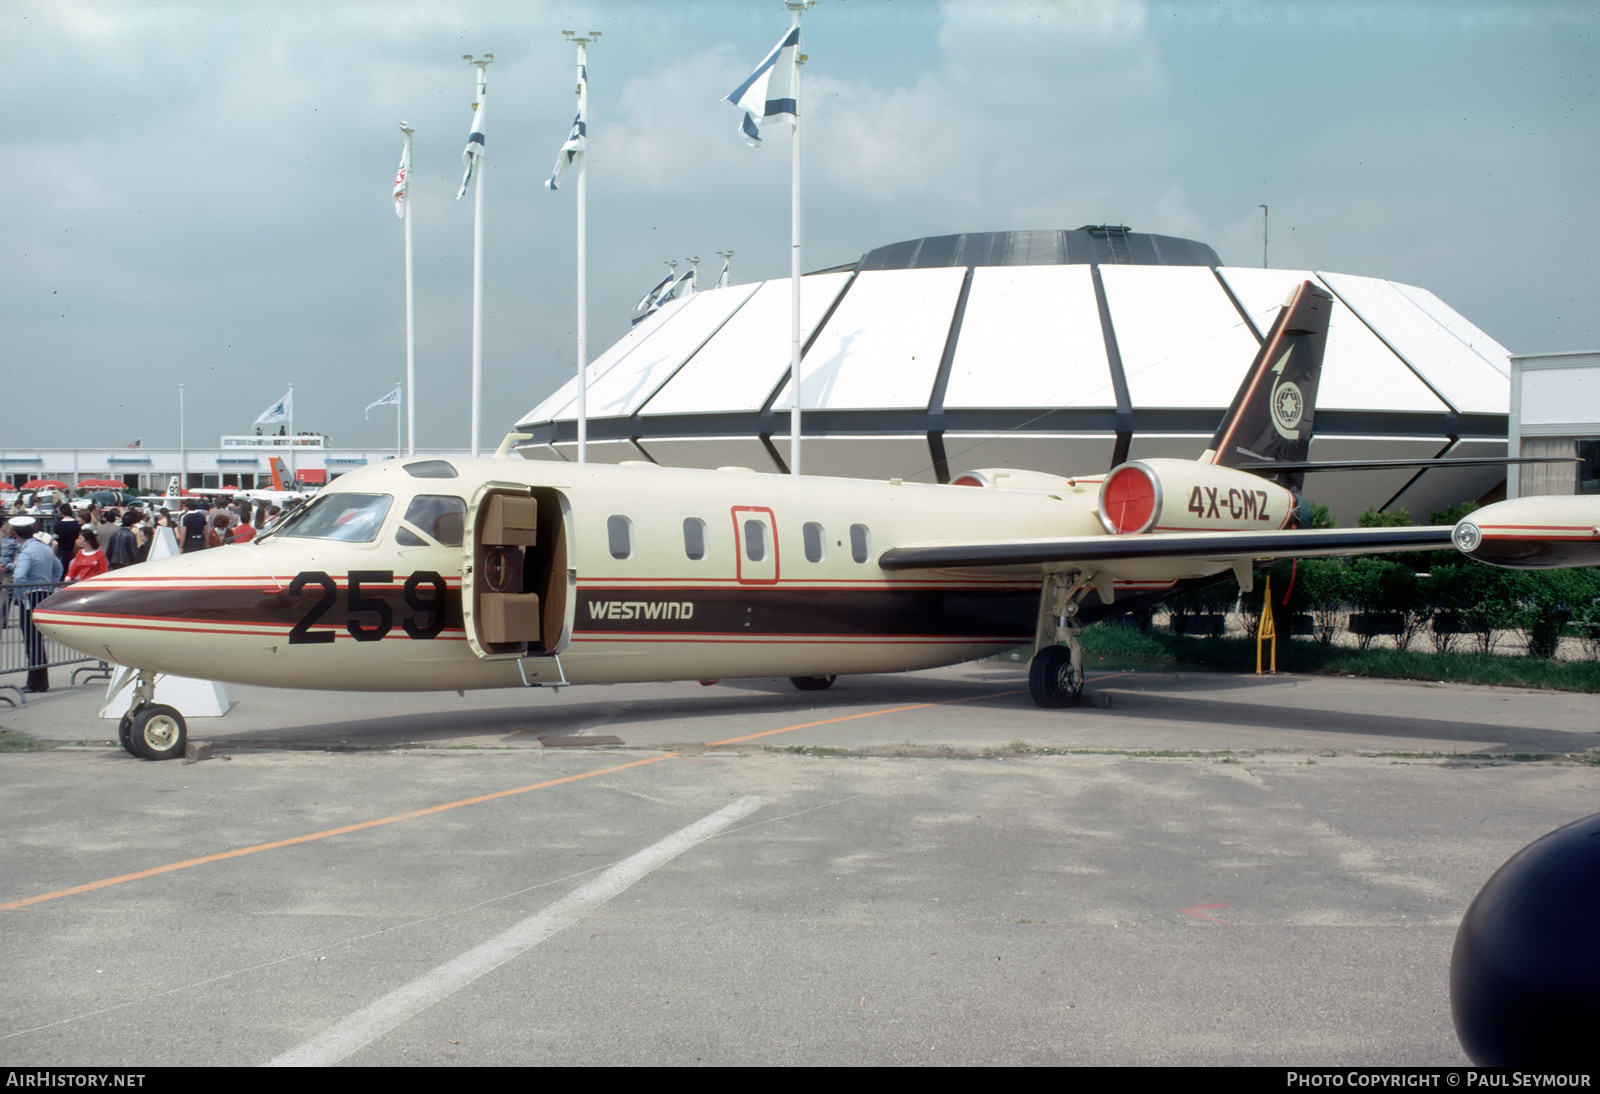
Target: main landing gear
1055, 678
149, 730
813, 683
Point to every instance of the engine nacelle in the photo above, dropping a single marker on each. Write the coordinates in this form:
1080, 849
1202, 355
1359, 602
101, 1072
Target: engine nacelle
1162, 495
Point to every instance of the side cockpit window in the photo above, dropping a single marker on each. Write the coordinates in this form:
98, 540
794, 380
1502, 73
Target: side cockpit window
433, 520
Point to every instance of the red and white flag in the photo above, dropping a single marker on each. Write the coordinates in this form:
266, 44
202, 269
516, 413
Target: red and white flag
402, 179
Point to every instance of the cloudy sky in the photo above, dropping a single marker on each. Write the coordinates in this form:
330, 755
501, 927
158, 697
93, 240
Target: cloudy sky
197, 192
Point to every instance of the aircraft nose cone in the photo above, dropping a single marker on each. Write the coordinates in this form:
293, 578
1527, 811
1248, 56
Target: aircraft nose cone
164, 615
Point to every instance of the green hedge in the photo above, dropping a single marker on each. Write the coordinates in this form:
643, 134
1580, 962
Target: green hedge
1437, 600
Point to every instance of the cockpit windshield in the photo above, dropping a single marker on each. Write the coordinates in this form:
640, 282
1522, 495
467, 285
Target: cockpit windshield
349, 518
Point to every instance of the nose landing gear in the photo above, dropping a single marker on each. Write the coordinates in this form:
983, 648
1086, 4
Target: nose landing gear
150, 730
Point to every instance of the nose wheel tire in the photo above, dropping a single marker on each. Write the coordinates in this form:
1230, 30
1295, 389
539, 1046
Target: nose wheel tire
157, 733
1053, 680
125, 734
813, 683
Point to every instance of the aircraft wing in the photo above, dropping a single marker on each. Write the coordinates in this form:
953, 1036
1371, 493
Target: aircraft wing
1204, 547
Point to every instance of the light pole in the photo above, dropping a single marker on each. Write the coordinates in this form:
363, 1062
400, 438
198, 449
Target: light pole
411, 320
480, 111
582, 42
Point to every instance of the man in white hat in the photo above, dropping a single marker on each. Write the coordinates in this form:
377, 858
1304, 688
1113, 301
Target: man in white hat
36, 574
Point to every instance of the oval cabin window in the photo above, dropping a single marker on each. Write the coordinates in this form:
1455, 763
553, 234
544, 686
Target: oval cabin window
619, 530
694, 538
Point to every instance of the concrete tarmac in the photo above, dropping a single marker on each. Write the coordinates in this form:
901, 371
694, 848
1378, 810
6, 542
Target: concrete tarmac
919, 869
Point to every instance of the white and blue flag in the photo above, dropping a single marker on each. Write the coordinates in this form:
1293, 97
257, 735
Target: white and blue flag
474, 150
280, 411
391, 399
722, 278
767, 94
571, 155
647, 302
666, 290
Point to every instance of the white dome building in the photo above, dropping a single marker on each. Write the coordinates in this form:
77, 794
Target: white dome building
1059, 351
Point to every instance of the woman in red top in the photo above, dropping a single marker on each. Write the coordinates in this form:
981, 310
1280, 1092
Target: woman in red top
89, 560
244, 533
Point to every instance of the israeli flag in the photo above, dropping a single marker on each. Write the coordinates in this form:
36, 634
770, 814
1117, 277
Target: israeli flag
647, 302
669, 292
474, 150
571, 154
391, 399
722, 278
280, 411
768, 92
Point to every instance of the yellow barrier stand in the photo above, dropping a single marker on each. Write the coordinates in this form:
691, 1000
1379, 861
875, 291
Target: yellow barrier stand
1267, 630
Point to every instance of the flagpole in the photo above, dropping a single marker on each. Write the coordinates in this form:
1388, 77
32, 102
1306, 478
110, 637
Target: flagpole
397, 421
289, 399
411, 317
795, 7
583, 251
477, 256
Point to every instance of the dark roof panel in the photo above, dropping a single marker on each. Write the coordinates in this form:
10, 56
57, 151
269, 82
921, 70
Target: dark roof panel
1111, 244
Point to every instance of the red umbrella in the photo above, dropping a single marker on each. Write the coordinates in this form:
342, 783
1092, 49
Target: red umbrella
44, 484
104, 484
7, 488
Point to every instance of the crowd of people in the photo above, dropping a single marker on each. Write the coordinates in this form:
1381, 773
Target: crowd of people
89, 539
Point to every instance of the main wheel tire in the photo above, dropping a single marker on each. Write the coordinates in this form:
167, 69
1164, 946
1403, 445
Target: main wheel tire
158, 733
1052, 680
125, 734
813, 683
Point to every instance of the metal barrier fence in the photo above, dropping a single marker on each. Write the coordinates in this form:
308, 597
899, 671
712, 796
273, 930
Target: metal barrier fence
23, 649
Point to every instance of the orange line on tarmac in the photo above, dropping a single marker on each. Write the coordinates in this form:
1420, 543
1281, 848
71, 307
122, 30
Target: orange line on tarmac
105, 883
863, 714
186, 863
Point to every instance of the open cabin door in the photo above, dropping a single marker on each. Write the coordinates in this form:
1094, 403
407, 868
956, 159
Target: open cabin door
518, 593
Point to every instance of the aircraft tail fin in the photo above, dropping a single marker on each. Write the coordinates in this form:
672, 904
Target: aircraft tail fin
279, 472
1274, 411
172, 488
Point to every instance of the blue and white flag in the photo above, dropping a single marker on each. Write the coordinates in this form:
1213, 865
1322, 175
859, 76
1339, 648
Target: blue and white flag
668, 290
391, 399
474, 150
647, 301
280, 411
571, 154
768, 92
402, 180
722, 278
